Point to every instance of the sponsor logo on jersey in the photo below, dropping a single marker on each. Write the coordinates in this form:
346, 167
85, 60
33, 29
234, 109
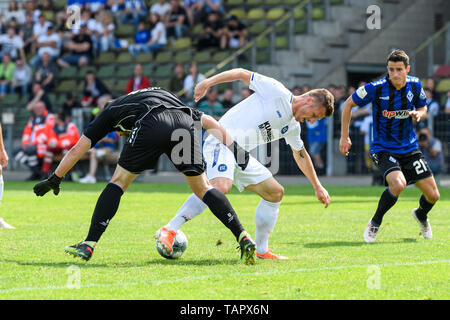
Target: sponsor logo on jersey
284, 130
361, 92
222, 167
410, 96
266, 131
384, 98
400, 114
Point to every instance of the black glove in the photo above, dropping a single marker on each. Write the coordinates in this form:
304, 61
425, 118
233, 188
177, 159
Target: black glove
240, 155
51, 183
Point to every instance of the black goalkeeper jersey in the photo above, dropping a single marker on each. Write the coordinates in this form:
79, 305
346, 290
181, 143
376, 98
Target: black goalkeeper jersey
122, 113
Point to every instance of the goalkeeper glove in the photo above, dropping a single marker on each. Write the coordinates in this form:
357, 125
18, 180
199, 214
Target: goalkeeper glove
51, 183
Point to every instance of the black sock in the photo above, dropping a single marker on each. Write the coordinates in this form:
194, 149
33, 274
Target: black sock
222, 209
386, 202
424, 208
106, 208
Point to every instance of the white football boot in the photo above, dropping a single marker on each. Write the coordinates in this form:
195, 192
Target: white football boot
88, 179
5, 225
425, 228
370, 233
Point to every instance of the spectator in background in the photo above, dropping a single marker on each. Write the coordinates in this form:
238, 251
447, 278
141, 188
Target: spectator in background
47, 43
191, 81
23, 75
431, 84
14, 12
116, 8
157, 40
93, 89
176, 83
95, 6
103, 36
297, 91
35, 140
63, 136
227, 101
193, 10
236, 34
7, 68
134, 11
30, 6
177, 21
431, 148
206, 7
141, 38
26, 33
38, 95
316, 136
80, 49
211, 106
161, 8
45, 72
433, 105
12, 44
213, 33
69, 104
103, 151
40, 28
138, 81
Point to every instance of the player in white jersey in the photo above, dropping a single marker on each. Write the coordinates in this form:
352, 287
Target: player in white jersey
271, 113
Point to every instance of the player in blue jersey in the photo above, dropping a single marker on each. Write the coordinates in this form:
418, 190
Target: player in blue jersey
396, 100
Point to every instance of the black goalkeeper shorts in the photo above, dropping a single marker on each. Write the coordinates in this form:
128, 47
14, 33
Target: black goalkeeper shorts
412, 164
168, 131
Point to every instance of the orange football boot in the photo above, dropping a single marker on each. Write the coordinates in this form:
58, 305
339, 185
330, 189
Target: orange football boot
269, 255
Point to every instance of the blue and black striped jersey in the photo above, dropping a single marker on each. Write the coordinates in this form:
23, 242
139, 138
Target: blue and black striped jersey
393, 129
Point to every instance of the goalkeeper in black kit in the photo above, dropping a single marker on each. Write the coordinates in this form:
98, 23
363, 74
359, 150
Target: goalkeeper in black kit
156, 122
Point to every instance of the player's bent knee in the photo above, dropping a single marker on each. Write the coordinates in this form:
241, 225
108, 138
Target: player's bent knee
275, 195
397, 186
222, 186
433, 197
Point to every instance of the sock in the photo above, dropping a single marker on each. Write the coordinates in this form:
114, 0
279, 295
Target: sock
265, 218
424, 208
386, 202
1, 187
106, 208
222, 209
191, 208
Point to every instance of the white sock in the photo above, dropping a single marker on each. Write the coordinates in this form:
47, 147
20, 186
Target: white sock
1, 187
265, 218
191, 208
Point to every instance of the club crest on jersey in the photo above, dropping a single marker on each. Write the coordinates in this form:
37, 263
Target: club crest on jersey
400, 114
410, 96
361, 92
222, 167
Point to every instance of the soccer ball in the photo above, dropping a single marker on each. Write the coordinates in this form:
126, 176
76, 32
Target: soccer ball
179, 246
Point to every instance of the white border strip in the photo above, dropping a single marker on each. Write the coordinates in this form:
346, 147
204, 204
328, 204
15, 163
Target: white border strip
207, 277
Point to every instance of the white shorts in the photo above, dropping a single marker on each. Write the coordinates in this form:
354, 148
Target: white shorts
220, 163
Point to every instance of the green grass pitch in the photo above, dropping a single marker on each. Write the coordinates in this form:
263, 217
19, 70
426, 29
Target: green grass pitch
328, 258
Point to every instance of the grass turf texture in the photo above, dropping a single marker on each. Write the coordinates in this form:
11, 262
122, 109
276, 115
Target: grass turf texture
328, 258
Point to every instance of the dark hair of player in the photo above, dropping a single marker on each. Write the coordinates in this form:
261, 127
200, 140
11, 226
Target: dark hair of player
323, 98
399, 56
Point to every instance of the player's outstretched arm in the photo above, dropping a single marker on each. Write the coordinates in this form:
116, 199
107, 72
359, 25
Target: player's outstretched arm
419, 113
226, 76
215, 128
345, 142
305, 164
67, 163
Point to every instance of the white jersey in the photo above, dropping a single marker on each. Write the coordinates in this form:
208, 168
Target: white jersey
263, 117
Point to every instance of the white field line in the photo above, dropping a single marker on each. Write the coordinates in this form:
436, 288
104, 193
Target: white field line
208, 277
